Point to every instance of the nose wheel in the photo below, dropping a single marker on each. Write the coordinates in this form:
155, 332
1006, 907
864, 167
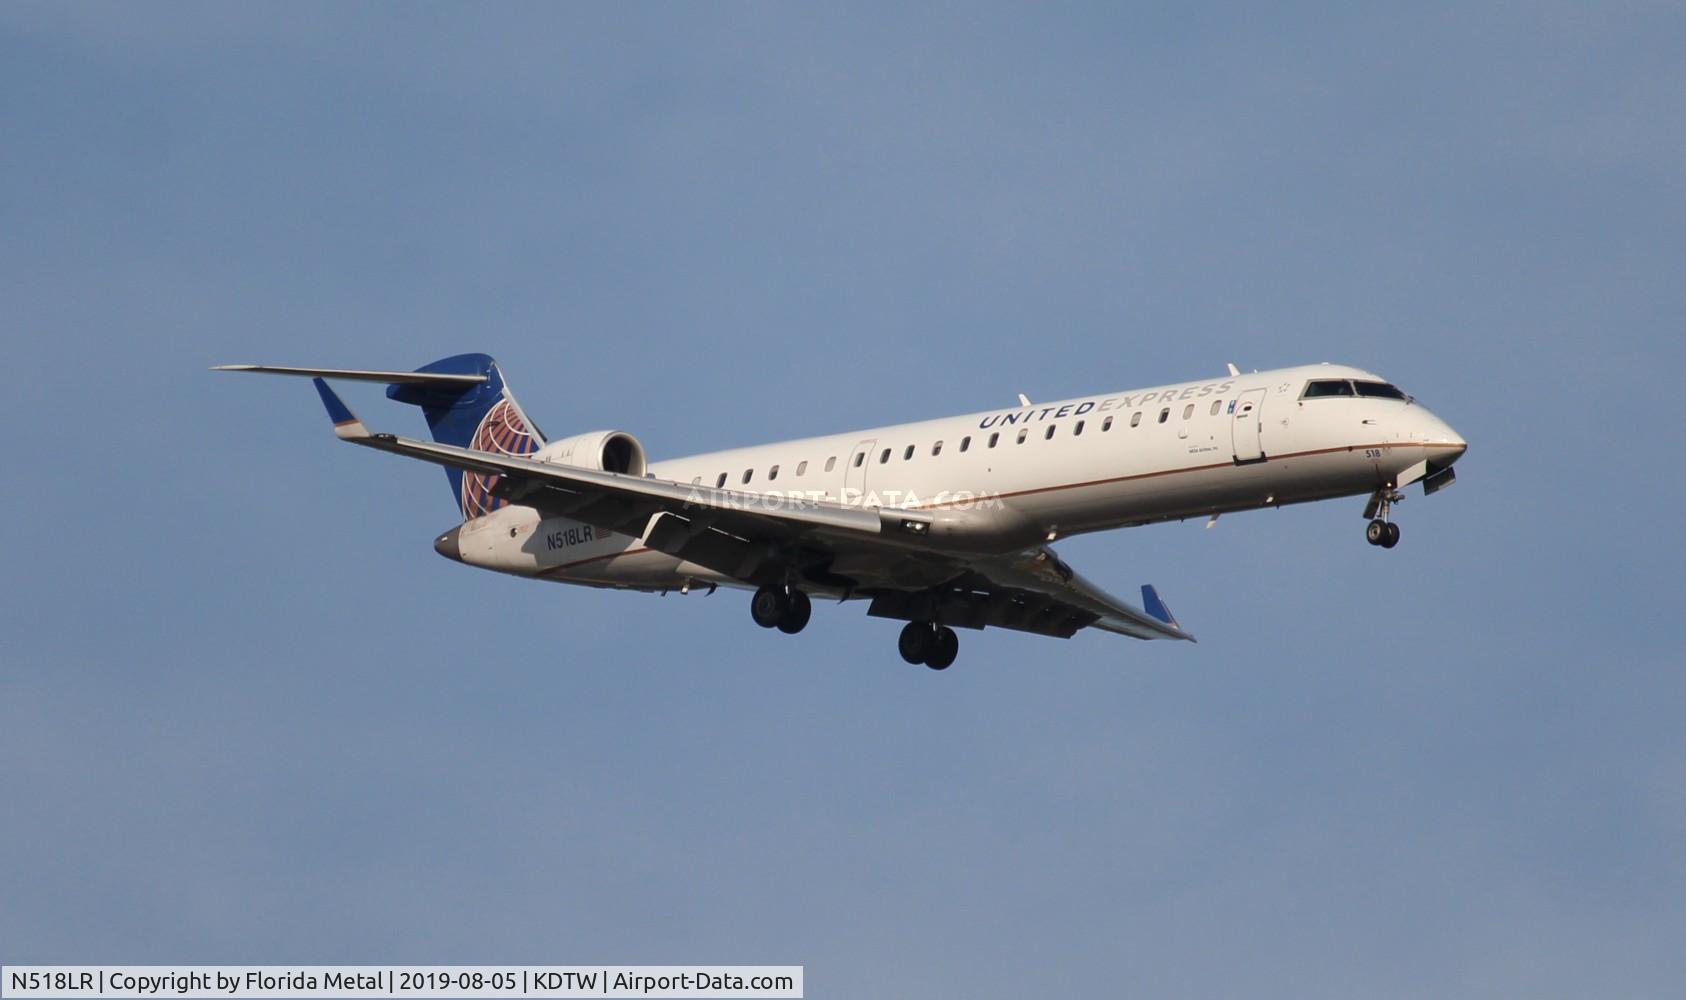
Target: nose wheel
935, 646
1381, 531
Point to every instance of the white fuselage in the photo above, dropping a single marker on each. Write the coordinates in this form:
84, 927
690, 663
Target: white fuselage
1006, 478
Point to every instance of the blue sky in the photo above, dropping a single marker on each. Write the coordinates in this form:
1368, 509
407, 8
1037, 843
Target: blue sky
247, 714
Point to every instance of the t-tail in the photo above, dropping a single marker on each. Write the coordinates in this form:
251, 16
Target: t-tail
466, 403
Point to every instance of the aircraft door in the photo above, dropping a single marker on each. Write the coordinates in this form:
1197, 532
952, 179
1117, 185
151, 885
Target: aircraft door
854, 473
1246, 422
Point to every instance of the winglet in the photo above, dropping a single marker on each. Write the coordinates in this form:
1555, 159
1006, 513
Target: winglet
1156, 607
346, 424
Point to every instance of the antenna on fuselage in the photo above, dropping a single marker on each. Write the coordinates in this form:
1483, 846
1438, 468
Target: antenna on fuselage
1024, 400
1234, 372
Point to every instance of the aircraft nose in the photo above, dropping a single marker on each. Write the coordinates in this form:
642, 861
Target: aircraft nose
1459, 446
448, 546
1448, 444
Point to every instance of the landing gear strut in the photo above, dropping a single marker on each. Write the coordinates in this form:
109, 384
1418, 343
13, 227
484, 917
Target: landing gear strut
936, 646
787, 610
1380, 530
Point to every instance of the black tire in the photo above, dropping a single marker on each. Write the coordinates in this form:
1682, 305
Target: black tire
1392, 538
943, 650
1376, 532
798, 610
916, 641
767, 607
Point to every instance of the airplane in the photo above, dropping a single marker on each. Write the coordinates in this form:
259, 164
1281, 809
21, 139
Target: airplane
941, 524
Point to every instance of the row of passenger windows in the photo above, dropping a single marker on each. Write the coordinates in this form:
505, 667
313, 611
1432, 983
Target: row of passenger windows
965, 444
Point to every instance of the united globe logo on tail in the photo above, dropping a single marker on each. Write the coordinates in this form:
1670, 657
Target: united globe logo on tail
502, 431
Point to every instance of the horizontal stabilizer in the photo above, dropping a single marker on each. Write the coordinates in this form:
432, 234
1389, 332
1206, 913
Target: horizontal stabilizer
361, 375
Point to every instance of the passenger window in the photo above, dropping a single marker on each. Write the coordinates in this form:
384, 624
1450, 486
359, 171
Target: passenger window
908, 453
772, 473
1188, 411
1106, 425
1023, 434
936, 449
747, 473
884, 457
1050, 435
1165, 414
1078, 429
1136, 419
1217, 404
831, 463
965, 442
994, 438
721, 482
802, 467
860, 456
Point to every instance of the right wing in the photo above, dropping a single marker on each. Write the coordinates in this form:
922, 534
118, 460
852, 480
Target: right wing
1030, 591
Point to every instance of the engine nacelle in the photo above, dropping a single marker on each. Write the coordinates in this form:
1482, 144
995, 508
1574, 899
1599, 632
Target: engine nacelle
607, 451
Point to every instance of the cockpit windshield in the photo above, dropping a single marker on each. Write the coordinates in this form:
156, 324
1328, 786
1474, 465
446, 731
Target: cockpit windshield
1379, 390
1323, 388
1327, 387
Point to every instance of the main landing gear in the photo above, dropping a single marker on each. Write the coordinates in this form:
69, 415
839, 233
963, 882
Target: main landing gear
936, 646
1380, 530
786, 609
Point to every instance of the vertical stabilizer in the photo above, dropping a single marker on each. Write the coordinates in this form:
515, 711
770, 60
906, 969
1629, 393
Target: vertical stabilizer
482, 415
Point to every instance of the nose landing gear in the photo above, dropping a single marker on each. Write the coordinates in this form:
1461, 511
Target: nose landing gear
1381, 531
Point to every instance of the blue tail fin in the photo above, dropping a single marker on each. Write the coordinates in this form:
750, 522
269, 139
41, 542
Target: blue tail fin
484, 416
